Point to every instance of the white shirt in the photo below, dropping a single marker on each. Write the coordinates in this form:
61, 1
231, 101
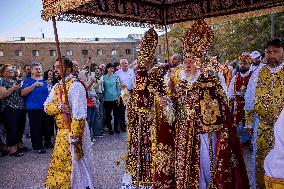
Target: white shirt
274, 161
126, 77
254, 68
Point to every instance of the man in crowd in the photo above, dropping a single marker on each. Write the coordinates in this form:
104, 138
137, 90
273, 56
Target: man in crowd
26, 71
126, 77
263, 104
70, 165
99, 90
256, 61
236, 95
102, 68
76, 69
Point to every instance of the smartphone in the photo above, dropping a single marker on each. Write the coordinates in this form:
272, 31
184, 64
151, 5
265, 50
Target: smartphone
18, 81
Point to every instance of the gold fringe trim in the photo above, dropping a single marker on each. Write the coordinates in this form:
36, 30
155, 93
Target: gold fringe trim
59, 7
105, 21
242, 16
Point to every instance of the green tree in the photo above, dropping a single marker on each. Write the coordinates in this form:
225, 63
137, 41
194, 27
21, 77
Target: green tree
234, 37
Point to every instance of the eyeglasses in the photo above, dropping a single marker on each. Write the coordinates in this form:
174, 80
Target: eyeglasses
9, 70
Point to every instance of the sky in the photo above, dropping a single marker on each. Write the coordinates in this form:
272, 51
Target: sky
21, 18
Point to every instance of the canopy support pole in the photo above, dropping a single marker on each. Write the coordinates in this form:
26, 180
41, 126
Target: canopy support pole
167, 44
60, 59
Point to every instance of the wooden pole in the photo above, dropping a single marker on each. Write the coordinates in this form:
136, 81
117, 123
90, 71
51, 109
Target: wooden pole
165, 20
167, 44
139, 153
60, 60
272, 18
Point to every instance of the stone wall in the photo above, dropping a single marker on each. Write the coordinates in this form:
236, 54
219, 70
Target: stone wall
45, 58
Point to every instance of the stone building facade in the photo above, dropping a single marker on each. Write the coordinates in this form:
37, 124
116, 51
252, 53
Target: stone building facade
101, 50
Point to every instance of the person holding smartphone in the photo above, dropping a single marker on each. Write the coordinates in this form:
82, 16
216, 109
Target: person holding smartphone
12, 109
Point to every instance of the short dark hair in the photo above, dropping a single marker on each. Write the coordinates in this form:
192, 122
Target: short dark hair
93, 64
67, 63
45, 74
109, 65
26, 65
275, 42
116, 64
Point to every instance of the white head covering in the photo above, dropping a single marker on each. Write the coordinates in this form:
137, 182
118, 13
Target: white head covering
255, 54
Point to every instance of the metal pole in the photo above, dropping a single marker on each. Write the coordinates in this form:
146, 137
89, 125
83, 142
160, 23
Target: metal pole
272, 17
60, 59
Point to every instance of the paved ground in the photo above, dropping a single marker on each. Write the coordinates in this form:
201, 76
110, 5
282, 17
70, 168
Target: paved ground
29, 171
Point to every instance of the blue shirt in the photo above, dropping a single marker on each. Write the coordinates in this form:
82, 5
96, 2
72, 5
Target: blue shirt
37, 97
111, 88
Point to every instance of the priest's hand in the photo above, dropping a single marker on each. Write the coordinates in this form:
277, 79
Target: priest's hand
78, 150
78, 155
164, 101
65, 108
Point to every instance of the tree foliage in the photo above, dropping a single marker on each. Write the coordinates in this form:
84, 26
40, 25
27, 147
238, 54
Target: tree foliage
234, 37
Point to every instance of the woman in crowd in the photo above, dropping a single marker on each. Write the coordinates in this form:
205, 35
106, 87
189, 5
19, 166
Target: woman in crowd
36, 91
12, 108
48, 76
111, 98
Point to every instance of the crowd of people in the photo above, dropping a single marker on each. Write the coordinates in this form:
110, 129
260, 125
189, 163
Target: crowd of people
204, 103
24, 92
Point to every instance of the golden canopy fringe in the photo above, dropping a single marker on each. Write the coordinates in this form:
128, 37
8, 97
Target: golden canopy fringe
242, 16
57, 7
146, 15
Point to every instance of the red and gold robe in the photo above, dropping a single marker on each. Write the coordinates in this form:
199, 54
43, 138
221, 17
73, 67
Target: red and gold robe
139, 148
202, 108
162, 133
240, 87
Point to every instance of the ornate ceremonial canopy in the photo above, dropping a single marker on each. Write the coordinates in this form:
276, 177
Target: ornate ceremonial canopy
155, 12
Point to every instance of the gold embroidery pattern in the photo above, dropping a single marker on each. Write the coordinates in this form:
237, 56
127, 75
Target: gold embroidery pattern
59, 171
209, 109
269, 100
164, 158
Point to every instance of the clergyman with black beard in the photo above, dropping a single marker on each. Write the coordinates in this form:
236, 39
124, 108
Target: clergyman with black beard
264, 101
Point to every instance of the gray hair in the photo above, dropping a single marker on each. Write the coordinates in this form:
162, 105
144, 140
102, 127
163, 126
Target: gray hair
34, 63
178, 56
